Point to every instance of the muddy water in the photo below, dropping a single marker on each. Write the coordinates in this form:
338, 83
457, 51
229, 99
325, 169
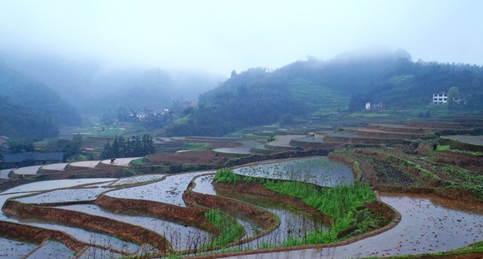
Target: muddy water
180, 237
4, 173
88, 237
138, 179
59, 166
233, 150
55, 184
169, 190
316, 170
293, 224
51, 249
15, 249
64, 195
427, 225
95, 252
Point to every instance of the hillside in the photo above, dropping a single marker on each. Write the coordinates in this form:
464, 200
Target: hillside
314, 88
97, 91
26, 92
17, 121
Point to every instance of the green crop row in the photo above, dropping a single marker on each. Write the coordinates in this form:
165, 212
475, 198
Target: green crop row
230, 229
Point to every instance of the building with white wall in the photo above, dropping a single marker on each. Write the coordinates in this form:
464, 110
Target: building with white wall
440, 98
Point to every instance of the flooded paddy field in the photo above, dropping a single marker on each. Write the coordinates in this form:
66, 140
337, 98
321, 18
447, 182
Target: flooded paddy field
15, 249
169, 190
181, 237
317, 170
293, 223
52, 249
427, 224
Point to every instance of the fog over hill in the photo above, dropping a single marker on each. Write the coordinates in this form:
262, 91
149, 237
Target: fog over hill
94, 90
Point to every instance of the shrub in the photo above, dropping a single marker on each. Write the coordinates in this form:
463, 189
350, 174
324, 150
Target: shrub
226, 175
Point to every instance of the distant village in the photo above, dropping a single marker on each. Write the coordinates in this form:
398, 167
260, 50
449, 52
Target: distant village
442, 98
438, 98
145, 114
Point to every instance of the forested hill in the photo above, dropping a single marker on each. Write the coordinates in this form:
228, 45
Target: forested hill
20, 122
23, 91
31, 110
314, 87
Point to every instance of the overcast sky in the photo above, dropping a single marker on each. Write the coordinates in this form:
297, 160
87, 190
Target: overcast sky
219, 36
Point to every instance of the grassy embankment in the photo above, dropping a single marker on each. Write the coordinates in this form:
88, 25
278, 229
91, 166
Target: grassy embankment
343, 203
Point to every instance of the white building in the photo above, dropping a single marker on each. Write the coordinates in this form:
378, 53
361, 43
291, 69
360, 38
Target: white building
368, 106
440, 98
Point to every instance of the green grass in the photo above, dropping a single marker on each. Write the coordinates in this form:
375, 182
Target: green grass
458, 151
358, 170
370, 115
196, 146
339, 202
138, 162
230, 229
317, 98
226, 175
425, 171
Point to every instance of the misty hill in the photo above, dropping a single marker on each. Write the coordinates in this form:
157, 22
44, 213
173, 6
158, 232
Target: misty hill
21, 122
313, 87
23, 91
94, 91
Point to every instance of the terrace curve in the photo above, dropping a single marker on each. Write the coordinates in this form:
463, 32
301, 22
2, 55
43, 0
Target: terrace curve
411, 208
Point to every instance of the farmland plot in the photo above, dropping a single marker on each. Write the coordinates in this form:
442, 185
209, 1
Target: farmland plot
52, 249
169, 190
317, 170
64, 195
181, 237
15, 249
426, 225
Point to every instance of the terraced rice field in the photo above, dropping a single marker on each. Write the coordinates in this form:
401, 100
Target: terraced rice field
152, 215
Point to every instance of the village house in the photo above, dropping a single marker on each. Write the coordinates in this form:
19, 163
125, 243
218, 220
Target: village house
36, 158
375, 107
143, 114
440, 98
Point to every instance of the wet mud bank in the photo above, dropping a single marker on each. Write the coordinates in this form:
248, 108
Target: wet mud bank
352, 164
186, 216
449, 193
39, 235
233, 207
377, 207
257, 189
459, 159
90, 222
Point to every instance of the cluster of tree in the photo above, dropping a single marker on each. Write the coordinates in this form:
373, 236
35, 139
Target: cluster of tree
70, 148
21, 122
20, 146
125, 147
240, 102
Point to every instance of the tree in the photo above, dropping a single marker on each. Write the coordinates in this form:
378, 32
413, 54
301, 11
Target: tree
19, 146
453, 92
233, 73
115, 148
107, 152
70, 148
123, 113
